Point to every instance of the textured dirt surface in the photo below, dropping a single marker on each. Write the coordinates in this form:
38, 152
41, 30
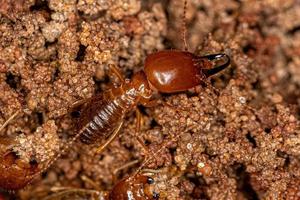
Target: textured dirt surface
238, 141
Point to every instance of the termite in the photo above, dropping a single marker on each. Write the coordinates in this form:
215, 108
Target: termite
166, 71
133, 187
101, 117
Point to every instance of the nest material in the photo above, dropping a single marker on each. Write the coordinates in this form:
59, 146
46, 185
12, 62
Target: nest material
241, 142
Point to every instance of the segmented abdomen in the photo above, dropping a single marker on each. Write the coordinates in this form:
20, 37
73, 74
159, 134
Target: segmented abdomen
99, 118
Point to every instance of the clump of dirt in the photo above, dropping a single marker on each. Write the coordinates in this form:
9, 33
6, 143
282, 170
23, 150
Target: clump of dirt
236, 137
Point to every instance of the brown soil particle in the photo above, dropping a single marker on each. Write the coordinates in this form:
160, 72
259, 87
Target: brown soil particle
236, 136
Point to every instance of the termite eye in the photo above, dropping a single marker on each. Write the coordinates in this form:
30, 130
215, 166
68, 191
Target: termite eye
76, 114
155, 195
150, 180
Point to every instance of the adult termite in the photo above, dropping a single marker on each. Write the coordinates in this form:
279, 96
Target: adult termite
137, 187
101, 117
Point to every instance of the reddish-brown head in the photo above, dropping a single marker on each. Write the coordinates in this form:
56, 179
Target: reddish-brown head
136, 187
174, 71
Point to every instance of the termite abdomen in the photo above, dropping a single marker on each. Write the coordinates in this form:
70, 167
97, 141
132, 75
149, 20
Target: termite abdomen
99, 117
102, 116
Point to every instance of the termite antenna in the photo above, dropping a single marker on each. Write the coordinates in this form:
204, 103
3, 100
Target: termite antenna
64, 192
126, 165
183, 30
9, 120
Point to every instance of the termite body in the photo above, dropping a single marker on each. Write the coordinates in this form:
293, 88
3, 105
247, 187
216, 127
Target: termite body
166, 71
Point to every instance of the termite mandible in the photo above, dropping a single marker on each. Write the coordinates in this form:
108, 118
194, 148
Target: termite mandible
101, 117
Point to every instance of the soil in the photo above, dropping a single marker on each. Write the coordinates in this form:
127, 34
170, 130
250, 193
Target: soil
235, 137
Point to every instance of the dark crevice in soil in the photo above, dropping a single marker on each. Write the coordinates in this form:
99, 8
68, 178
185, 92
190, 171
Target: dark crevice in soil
199, 190
41, 5
55, 75
80, 53
12, 80
40, 118
244, 182
286, 157
251, 140
47, 43
267, 130
294, 30
249, 49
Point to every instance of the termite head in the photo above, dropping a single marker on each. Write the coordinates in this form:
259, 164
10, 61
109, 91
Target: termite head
175, 71
141, 85
136, 187
15, 173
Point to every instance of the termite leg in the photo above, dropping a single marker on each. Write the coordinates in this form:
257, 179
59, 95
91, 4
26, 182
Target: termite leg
61, 192
77, 106
162, 147
225, 61
91, 182
78, 103
110, 139
113, 69
139, 122
9, 120
211, 87
149, 103
129, 164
